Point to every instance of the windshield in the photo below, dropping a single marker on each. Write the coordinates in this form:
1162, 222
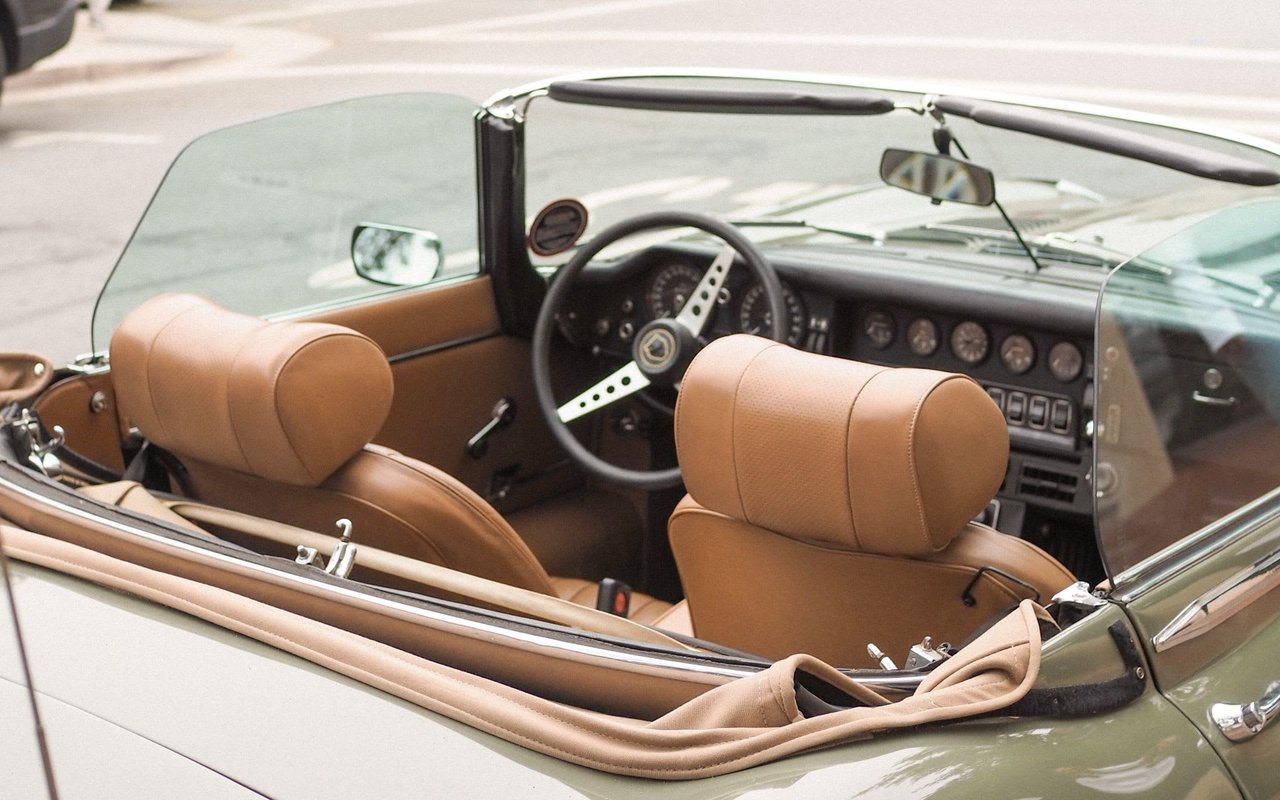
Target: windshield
259, 217
1188, 409
824, 170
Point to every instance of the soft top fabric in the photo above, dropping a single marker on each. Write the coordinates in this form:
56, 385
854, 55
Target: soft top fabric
286, 401
837, 452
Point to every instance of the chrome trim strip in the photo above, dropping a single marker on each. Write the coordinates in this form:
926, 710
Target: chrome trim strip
1220, 603
435, 348
359, 599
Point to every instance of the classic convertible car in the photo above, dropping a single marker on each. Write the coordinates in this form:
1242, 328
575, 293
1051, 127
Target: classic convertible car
636, 435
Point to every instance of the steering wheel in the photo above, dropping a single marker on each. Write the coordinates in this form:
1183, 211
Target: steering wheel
660, 351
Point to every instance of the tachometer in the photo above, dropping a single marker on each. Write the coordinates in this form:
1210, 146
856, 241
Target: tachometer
754, 316
671, 287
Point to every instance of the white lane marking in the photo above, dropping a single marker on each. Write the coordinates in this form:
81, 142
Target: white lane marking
558, 15
632, 191
482, 33
23, 139
319, 9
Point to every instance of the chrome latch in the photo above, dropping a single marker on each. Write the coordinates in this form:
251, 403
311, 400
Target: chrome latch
340, 562
925, 654
40, 451
1240, 723
1074, 603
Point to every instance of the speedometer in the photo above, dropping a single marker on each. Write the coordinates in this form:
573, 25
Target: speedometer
671, 288
754, 316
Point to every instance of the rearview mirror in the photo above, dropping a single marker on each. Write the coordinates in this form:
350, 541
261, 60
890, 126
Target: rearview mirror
395, 256
939, 177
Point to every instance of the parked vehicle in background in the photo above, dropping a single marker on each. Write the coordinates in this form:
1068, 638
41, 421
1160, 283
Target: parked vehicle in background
31, 30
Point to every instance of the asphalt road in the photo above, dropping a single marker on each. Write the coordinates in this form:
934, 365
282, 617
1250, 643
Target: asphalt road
85, 138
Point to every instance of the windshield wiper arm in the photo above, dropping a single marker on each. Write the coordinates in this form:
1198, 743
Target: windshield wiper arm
875, 237
1044, 245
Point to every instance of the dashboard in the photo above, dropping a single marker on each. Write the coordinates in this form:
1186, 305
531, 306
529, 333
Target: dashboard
1030, 347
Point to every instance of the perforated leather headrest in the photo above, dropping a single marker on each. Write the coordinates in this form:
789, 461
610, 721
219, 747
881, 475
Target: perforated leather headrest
286, 401
836, 452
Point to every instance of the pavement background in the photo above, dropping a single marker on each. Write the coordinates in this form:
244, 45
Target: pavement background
86, 135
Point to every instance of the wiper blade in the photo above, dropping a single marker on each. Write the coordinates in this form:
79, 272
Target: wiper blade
875, 237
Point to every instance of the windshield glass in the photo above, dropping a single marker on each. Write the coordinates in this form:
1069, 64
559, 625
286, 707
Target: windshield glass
259, 217
1188, 410
824, 170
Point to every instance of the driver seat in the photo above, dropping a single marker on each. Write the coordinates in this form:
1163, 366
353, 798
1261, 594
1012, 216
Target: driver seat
274, 419
830, 505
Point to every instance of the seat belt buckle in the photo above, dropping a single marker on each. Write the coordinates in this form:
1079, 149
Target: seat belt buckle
613, 597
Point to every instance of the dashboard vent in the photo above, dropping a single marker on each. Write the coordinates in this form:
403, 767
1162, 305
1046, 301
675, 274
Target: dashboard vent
1049, 484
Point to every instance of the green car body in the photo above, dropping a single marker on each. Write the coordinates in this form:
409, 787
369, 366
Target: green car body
1136, 692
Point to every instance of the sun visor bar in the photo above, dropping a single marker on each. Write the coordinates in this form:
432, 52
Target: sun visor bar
1182, 157
715, 101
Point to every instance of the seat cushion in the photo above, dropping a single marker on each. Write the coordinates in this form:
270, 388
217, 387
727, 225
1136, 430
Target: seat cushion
644, 609
585, 533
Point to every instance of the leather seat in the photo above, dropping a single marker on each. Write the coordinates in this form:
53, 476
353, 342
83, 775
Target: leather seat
829, 505
274, 419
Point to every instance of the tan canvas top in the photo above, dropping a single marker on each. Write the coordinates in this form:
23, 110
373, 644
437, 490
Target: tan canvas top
739, 724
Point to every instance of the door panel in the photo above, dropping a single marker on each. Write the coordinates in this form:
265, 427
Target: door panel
451, 365
1233, 662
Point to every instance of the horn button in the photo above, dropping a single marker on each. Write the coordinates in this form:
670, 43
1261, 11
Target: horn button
663, 349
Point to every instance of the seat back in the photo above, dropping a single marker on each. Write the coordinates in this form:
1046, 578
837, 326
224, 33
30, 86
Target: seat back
830, 502
273, 419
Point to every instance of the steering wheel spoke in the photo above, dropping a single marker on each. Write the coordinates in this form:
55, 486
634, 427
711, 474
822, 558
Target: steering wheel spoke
623, 382
660, 350
697, 309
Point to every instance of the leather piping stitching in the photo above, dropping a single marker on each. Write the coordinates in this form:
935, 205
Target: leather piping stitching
146, 367
733, 427
231, 413
848, 452
915, 469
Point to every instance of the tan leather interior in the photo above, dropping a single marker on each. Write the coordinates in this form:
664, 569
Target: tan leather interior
829, 505
451, 363
272, 419
22, 375
85, 407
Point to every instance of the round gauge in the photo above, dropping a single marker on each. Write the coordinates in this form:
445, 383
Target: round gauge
969, 342
1065, 361
754, 316
671, 287
1017, 353
922, 336
879, 328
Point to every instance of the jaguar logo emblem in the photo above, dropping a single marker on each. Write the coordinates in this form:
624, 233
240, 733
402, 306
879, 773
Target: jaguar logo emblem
657, 349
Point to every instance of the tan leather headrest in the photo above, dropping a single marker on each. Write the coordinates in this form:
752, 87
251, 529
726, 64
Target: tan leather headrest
875, 459
286, 401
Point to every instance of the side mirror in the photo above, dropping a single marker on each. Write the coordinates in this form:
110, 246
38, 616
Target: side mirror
394, 255
939, 177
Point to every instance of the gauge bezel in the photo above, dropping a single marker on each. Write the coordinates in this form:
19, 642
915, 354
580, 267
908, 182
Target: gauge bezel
1006, 357
960, 350
935, 332
1076, 354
